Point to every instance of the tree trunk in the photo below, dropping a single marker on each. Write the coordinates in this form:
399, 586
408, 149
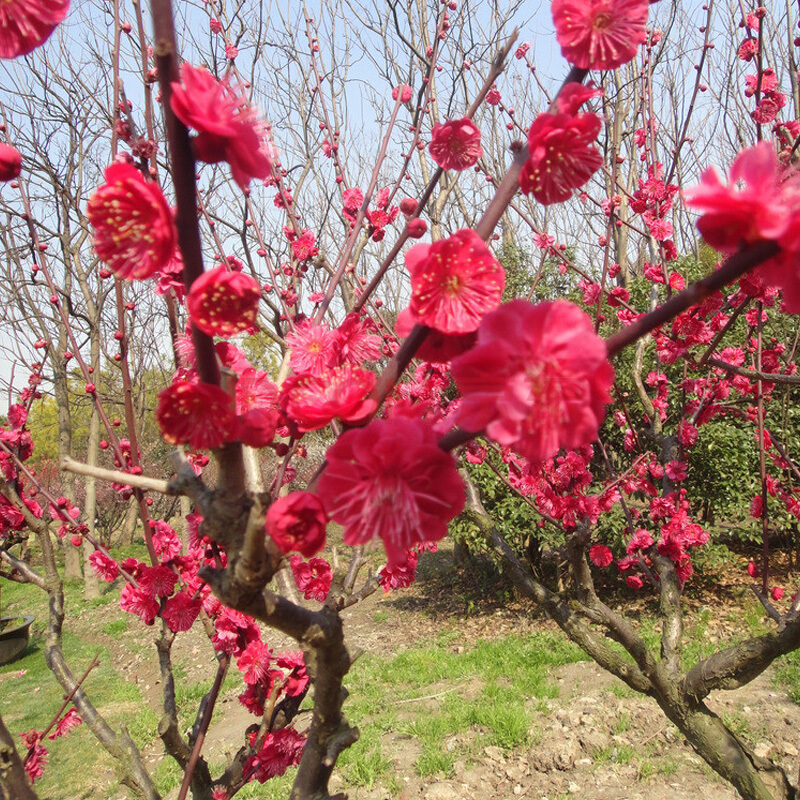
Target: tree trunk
129, 524
754, 778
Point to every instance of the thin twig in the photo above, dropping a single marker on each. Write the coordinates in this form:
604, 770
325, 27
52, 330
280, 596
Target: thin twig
204, 723
429, 696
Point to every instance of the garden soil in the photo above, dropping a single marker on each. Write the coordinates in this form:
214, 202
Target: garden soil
596, 739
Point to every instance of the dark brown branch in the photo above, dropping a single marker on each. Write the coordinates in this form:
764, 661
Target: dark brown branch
753, 374
671, 615
320, 636
183, 177
14, 783
168, 730
209, 703
737, 665
559, 611
27, 573
736, 266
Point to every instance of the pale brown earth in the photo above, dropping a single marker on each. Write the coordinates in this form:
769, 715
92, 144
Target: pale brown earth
595, 740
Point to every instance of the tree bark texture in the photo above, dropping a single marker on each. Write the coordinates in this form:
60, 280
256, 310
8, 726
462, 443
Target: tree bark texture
14, 783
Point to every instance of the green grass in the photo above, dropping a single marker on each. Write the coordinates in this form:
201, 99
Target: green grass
621, 690
449, 703
615, 754
787, 674
434, 763
622, 724
364, 763
30, 695
116, 627
273, 789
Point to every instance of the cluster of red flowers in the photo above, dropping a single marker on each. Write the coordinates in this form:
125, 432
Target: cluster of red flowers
313, 577
382, 215
329, 381
390, 479
205, 417
537, 380
228, 128
35, 759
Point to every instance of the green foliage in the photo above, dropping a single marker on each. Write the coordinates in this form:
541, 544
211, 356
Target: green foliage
514, 518
723, 470
723, 464
261, 352
520, 274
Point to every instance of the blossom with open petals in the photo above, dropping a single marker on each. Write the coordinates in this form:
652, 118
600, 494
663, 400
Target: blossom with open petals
562, 153
133, 229
456, 144
600, 34
401, 576
356, 340
26, 24
298, 522
254, 389
537, 380
750, 207
223, 302
601, 555
228, 128
36, 757
138, 602
390, 479
760, 202
197, 414
315, 400
253, 662
313, 348
313, 577
281, 749
454, 282
69, 721
181, 611
103, 566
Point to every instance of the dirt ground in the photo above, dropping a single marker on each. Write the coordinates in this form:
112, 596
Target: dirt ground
595, 740
580, 755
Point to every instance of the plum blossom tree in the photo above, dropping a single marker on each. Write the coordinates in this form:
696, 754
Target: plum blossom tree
532, 377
